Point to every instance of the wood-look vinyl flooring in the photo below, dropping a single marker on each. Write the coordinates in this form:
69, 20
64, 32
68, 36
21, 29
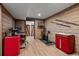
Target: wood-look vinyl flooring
38, 48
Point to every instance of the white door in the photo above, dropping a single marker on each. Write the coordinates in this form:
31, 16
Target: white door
30, 31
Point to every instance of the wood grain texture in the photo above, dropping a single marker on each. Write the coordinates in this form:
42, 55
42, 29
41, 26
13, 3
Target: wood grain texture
61, 24
7, 22
70, 15
67, 22
38, 48
38, 31
0, 31
21, 24
5, 11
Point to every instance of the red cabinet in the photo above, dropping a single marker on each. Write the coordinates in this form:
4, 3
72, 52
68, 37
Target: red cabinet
65, 42
58, 41
11, 46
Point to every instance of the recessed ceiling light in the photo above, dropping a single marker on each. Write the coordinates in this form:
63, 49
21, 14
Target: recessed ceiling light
39, 14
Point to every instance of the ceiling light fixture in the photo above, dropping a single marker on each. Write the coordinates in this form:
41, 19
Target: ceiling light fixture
39, 14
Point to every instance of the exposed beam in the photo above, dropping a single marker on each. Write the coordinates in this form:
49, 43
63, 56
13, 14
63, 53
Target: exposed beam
31, 19
19, 20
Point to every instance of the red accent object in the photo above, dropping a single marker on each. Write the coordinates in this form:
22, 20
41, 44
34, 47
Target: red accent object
65, 43
11, 45
57, 39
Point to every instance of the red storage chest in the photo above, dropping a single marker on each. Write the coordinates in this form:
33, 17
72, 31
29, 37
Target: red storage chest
65, 42
11, 45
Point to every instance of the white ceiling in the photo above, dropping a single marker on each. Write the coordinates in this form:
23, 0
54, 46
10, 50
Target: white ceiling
23, 10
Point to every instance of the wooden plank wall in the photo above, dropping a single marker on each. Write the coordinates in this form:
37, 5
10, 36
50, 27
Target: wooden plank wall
70, 15
38, 34
0, 31
7, 22
21, 23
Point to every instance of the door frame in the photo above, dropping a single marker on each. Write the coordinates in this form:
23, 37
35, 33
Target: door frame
34, 26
